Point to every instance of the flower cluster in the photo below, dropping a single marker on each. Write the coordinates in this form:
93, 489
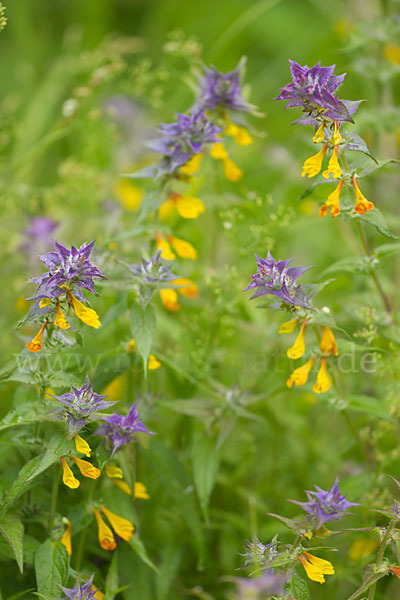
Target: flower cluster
222, 90
122, 527
83, 591
119, 430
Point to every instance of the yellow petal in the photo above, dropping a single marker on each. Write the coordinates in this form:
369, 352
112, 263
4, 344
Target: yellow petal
362, 204
183, 249
98, 594
85, 314
336, 138
298, 348
60, 319
189, 289
141, 491
153, 363
66, 538
82, 446
129, 195
334, 167
86, 468
170, 300
165, 248
113, 472
320, 563
121, 526
218, 151
166, 209
192, 166
37, 343
333, 202
189, 207
44, 302
312, 165
288, 326
68, 477
231, 170
319, 135
123, 486
115, 388
131, 347
323, 382
106, 537
328, 343
300, 375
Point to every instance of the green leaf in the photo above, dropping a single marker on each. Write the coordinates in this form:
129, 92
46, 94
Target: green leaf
143, 325
112, 580
350, 264
375, 218
12, 529
171, 560
20, 594
12, 419
51, 567
138, 546
205, 462
387, 250
299, 588
368, 405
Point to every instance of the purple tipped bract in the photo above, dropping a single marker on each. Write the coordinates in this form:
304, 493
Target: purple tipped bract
80, 404
68, 270
325, 505
153, 270
222, 90
315, 90
119, 430
183, 139
276, 278
81, 591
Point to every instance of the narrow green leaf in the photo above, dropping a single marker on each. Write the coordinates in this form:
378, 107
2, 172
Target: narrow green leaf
375, 218
143, 325
12, 529
51, 567
112, 580
205, 463
368, 405
138, 546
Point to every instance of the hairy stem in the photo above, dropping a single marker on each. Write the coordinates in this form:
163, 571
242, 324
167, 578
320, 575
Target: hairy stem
381, 551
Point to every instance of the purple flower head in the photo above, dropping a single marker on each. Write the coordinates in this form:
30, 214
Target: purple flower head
325, 505
314, 90
274, 277
222, 90
80, 404
81, 591
153, 270
119, 430
258, 553
68, 270
38, 235
259, 588
183, 139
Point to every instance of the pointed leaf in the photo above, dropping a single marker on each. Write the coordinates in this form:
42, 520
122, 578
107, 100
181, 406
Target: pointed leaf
143, 325
12, 529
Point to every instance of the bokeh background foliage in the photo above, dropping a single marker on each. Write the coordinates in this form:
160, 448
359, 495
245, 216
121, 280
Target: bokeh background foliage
233, 443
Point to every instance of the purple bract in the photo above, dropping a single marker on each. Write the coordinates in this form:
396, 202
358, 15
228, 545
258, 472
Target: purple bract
314, 89
81, 591
119, 430
222, 90
80, 404
274, 277
325, 505
153, 270
68, 270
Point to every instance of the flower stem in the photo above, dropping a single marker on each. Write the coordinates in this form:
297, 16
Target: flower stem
54, 496
82, 540
381, 551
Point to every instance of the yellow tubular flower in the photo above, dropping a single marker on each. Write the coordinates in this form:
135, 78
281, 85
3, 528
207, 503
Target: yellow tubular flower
170, 300
312, 165
85, 314
122, 485
66, 538
323, 382
336, 138
190, 289
298, 348
333, 202
189, 207
37, 343
192, 166
288, 326
113, 472
44, 302
165, 248
231, 170
362, 204
166, 209
82, 446
316, 567
182, 248
129, 195
218, 151
153, 363
60, 320
86, 468
69, 478
131, 346
121, 526
106, 537
334, 168
98, 595
395, 570
141, 491
319, 135
239, 133
300, 375
328, 343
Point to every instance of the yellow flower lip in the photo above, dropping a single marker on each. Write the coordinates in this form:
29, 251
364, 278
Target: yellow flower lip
300, 375
319, 135
69, 478
84, 313
334, 167
312, 165
82, 446
328, 343
66, 538
60, 320
298, 348
37, 343
86, 468
362, 204
333, 202
316, 567
122, 527
323, 382
105, 535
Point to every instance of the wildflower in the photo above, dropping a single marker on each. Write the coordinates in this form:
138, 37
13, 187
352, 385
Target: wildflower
319, 135
82, 446
267, 585
395, 570
336, 137
123, 486
332, 202
325, 505
328, 343
239, 133
182, 248
84, 313
231, 170
188, 289
193, 165
182, 140
170, 300
81, 591
37, 343
60, 320
300, 375
66, 538
81, 403
153, 270
288, 326
106, 537
141, 491
189, 207
334, 167
122, 527
362, 204
98, 595
312, 165
165, 248
298, 348
86, 468
323, 382
314, 89
69, 478
222, 90
274, 277
153, 362
128, 194
113, 472
316, 567
257, 552
119, 430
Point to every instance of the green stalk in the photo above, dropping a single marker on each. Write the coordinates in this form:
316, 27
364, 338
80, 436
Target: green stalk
82, 540
54, 496
381, 551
